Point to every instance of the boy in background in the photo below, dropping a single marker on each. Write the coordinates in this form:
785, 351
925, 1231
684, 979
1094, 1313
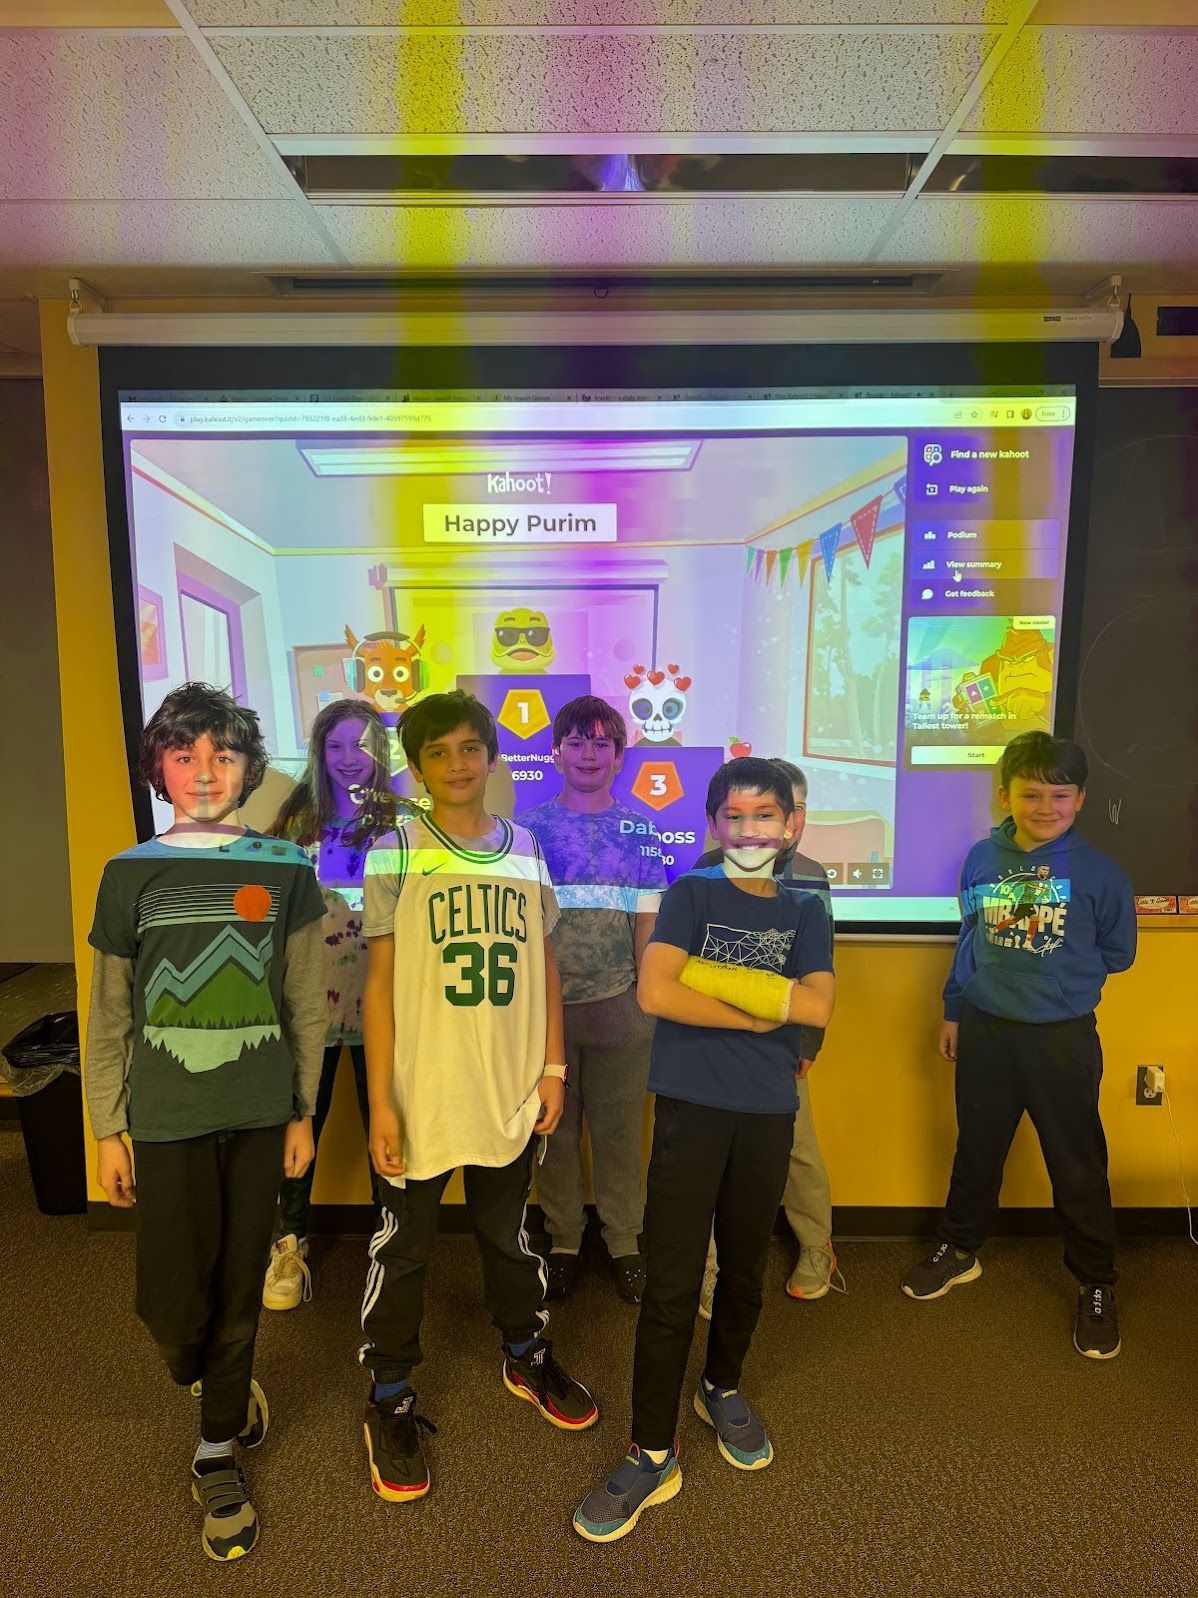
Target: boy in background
735, 967
1044, 918
204, 1043
606, 866
464, 1064
807, 1199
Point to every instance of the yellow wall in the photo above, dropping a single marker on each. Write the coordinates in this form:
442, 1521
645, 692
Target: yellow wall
883, 1099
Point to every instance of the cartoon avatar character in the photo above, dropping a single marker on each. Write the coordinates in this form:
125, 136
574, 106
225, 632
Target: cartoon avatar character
387, 669
657, 703
1020, 670
521, 641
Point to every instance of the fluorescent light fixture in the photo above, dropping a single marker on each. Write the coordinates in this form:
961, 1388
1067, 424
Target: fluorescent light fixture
454, 459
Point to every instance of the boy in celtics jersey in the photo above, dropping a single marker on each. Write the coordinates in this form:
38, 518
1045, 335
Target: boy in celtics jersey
462, 1018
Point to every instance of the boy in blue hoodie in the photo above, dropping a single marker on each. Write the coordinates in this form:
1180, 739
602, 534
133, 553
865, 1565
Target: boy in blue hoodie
1044, 918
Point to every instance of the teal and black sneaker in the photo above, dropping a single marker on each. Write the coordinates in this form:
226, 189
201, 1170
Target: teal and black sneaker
230, 1522
612, 1509
739, 1433
257, 1414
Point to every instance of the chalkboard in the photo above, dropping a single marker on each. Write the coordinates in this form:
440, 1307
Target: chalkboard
1137, 684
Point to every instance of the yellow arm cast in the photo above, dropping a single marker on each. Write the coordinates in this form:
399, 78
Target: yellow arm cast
763, 994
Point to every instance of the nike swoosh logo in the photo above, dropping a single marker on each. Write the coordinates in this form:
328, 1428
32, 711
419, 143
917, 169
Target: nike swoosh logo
428, 870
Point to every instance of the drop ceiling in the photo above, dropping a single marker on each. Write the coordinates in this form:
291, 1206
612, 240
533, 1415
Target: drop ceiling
143, 143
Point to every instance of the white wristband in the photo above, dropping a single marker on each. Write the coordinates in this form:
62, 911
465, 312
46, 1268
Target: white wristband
557, 1072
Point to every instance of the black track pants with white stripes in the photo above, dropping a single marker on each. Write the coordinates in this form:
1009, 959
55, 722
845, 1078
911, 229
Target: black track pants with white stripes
513, 1276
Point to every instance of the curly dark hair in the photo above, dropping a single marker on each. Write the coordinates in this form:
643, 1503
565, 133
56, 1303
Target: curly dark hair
187, 713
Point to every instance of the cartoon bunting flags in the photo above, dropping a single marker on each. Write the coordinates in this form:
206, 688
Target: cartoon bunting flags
863, 523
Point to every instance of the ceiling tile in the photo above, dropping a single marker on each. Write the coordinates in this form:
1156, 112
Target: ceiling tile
1058, 81
595, 13
267, 233
1109, 233
302, 83
773, 231
105, 116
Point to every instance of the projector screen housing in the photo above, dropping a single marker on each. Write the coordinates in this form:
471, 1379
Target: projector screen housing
674, 541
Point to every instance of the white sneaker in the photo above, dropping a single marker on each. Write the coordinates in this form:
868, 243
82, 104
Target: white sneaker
288, 1279
707, 1291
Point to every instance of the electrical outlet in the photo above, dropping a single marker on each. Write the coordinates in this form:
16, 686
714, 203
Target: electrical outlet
1150, 1084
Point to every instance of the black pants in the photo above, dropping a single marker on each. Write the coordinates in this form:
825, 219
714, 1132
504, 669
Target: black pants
706, 1165
1051, 1070
295, 1192
513, 1276
205, 1212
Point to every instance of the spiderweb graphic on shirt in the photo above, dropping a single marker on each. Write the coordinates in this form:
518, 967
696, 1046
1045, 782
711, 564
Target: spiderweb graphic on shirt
753, 950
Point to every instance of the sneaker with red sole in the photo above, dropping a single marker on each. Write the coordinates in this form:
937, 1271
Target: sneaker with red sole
536, 1377
398, 1471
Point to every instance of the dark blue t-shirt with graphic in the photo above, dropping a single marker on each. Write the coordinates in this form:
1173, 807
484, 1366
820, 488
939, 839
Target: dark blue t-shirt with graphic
788, 933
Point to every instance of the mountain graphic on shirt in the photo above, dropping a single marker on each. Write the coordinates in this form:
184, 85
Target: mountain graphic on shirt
216, 1008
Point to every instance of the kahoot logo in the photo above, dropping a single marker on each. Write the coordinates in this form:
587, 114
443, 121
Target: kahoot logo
658, 784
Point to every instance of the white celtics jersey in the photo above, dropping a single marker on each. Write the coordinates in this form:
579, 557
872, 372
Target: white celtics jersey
469, 925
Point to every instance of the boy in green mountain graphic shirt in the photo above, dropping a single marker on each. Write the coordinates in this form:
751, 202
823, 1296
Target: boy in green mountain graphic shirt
204, 1043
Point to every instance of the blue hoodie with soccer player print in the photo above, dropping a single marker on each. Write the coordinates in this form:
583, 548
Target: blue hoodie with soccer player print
1040, 928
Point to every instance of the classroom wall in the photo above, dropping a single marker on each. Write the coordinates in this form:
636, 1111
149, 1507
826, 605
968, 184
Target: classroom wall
35, 904
883, 1099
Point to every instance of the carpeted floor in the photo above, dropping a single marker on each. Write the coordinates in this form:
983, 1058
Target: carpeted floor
923, 1451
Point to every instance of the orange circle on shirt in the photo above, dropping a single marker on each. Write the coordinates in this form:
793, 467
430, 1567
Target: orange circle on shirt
252, 903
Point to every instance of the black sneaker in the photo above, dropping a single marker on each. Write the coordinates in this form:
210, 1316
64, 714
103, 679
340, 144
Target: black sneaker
1096, 1328
628, 1273
539, 1379
230, 1528
561, 1272
397, 1468
944, 1267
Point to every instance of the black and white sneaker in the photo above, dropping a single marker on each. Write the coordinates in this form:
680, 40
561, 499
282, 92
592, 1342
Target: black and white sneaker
1096, 1328
945, 1267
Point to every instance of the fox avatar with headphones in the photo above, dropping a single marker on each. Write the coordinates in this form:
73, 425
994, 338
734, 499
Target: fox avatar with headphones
387, 669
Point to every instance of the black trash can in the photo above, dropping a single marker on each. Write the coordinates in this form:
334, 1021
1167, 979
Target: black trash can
43, 1068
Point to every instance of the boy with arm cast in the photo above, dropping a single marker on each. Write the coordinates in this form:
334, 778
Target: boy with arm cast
1045, 919
204, 1039
807, 1201
464, 1068
607, 870
725, 1080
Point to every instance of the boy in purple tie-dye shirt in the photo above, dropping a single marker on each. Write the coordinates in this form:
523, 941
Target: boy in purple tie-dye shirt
605, 861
